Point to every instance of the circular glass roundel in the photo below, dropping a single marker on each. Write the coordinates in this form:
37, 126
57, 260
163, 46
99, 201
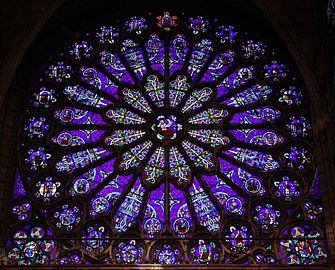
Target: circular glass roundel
173, 126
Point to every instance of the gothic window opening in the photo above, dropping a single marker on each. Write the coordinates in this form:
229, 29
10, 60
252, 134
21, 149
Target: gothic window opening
167, 140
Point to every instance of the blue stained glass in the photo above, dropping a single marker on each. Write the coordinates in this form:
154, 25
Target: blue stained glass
114, 66
249, 96
44, 97
85, 96
98, 80
250, 183
71, 115
298, 250
66, 138
156, 53
290, 96
39, 251
275, 72
198, 24
153, 221
231, 202
238, 78
22, 210
130, 208
315, 191
177, 52
86, 182
205, 210
253, 50
219, 66
136, 25
298, 126
59, 72
261, 137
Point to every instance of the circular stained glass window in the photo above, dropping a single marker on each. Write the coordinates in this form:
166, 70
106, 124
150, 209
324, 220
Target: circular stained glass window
171, 128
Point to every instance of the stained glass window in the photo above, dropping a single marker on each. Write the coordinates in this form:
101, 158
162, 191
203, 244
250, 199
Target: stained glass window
167, 140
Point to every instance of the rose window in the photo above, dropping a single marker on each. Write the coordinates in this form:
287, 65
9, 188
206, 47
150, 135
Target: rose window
185, 129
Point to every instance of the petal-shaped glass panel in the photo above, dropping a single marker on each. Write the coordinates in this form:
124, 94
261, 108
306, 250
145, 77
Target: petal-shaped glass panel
153, 221
81, 159
129, 210
205, 210
180, 216
86, 182
112, 63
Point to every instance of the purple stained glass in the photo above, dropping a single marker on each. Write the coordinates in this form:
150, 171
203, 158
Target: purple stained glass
207, 214
177, 52
113, 64
249, 96
180, 216
86, 182
167, 139
156, 53
254, 159
235, 80
98, 80
199, 57
219, 66
129, 209
134, 56
298, 250
19, 190
256, 116
105, 199
226, 34
69, 163
261, 137
231, 202
71, 115
81, 50
85, 96
250, 183
66, 138
153, 221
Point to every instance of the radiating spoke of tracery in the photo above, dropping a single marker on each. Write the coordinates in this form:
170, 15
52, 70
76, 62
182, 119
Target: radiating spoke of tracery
185, 129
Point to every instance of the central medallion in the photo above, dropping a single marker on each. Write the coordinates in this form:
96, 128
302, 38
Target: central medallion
166, 127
